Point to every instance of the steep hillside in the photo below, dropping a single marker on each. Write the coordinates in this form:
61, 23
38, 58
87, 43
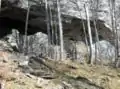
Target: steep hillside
48, 74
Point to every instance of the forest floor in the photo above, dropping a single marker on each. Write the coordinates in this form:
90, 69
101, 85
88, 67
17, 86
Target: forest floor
50, 74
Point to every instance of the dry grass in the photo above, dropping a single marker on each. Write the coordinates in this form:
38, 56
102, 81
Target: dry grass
107, 77
12, 78
104, 76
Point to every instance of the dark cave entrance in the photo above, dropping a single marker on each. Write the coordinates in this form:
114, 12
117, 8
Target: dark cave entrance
7, 24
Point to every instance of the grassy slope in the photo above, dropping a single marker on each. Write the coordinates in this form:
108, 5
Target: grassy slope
69, 71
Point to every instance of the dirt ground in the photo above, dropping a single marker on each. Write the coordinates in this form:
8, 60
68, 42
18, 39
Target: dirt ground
11, 76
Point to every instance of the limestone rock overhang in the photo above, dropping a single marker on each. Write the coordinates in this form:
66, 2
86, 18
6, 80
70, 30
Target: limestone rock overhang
14, 16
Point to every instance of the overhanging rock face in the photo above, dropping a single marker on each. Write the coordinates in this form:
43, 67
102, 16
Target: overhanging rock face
13, 15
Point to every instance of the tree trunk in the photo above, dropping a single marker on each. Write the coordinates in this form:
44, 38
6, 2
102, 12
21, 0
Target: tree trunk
90, 34
60, 31
115, 32
94, 6
0, 5
26, 29
47, 21
86, 40
52, 29
48, 27
97, 40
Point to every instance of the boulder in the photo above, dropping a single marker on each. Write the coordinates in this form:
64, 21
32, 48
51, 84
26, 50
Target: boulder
76, 50
104, 52
37, 45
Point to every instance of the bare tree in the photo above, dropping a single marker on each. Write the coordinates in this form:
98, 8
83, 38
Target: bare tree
26, 29
51, 25
48, 25
113, 23
60, 31
56, 33
94, 8
75, 2
89, 33
47, 21
0, 4
114, 28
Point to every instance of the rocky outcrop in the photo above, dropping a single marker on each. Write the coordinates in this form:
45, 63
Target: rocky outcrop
103, 52
37, 45
13, 15
76, 50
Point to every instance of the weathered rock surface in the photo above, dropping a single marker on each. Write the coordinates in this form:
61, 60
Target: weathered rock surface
76, 50
14, 15
104, 52
38, 47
